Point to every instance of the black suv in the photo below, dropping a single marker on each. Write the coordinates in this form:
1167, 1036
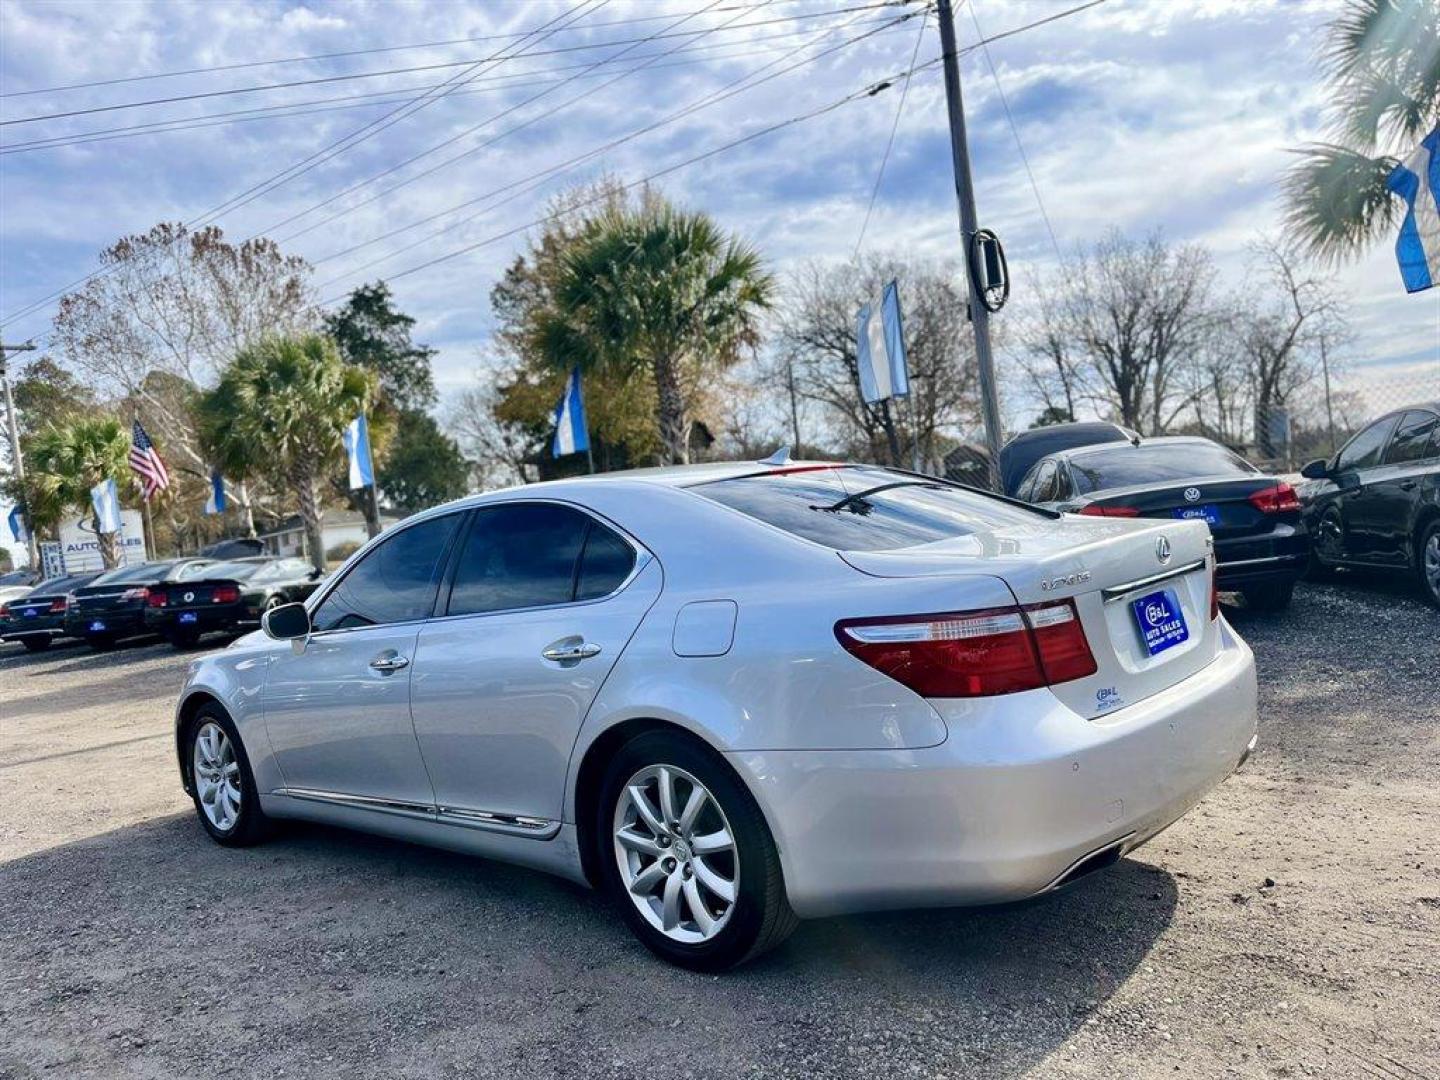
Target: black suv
1377, 502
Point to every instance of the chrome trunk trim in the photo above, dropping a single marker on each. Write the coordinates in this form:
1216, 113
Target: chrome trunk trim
1117, 592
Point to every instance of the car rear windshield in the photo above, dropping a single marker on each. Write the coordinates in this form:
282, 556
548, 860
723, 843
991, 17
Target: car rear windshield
1126, 465
860, 508
235, 571
152, 571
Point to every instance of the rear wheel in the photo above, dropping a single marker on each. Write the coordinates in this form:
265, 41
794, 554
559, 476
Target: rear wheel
185, 639
223, 788
100, 642
1268, 597
687, 857
1427, 551
36, 644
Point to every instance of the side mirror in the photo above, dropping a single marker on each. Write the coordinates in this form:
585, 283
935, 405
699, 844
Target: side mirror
1316, 470
288, 622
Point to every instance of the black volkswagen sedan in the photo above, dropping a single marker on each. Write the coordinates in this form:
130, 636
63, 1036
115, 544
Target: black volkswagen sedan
1377, 502
1261, 547
38, 618
112, 606
230, 597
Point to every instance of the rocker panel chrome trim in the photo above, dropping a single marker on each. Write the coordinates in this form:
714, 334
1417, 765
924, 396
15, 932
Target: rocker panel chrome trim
538, 828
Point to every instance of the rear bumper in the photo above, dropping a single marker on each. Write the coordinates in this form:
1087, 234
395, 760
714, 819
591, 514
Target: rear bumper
117, 624
1017, 796
20, 629
207, 620
1278, 557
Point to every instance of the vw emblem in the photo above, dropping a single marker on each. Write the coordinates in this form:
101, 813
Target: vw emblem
1162, 549
188, 597
1192, 494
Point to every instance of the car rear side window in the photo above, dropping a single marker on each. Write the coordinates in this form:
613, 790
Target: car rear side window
864, 509
1415, 439
395, 582
525, 555
1126, 466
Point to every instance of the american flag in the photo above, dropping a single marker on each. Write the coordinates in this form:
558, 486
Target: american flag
146, 463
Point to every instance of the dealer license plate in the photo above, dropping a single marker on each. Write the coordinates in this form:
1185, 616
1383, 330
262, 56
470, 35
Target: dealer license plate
1160, 620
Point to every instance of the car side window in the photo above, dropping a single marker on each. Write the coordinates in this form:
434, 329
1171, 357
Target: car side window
1414, 439
1044, 488
1364, 450
525, 555
395, 582
1062, 483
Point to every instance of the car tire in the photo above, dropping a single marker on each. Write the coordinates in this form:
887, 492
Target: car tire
1269, 597
1427, 561
755, 918
100, 642
184, 639
36, 644
232, 817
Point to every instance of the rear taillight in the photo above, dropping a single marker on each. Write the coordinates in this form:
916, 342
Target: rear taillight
155, 598
225, 594
58, 605
142, 593
1275, 500
974, 653
4, 611
1109, 511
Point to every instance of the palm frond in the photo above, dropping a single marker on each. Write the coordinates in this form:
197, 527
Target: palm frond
1337, 200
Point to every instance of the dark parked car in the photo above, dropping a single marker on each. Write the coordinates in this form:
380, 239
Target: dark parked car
1023, 450
1377, 502
38, 618
112, 606
1261, 546
230, 597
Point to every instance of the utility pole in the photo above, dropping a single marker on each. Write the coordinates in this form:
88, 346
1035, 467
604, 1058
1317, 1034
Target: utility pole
15, 454
965, 195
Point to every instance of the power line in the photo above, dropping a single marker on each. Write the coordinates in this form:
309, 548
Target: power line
890, 142
333, 149
407, 70
471, 130
714, 52
313, 57
984, 46
543, 175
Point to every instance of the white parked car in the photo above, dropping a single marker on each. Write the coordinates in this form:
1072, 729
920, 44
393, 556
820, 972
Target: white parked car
736, 695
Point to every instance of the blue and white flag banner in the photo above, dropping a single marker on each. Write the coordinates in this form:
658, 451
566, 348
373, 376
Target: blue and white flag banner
571, 434
106, 501
17, 526
1417, 181
357, 449
215, 501
880, 348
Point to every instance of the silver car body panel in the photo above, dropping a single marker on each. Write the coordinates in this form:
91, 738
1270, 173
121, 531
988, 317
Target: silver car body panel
876, 796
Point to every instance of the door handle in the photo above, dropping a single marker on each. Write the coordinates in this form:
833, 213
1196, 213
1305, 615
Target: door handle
580, 651
390, 663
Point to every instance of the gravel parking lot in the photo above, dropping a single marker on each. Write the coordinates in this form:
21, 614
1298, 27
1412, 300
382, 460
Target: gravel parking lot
1288, 927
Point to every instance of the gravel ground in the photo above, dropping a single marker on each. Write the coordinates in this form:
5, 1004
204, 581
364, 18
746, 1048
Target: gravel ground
1287, 927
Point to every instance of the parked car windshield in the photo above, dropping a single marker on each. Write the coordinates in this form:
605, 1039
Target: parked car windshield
856, 508
1126, 466
236, 571
63, 583
150, 571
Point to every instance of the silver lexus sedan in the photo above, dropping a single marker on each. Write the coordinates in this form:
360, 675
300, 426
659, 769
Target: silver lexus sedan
736, 695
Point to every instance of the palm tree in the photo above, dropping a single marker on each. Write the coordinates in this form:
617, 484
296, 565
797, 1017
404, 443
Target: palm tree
67, 461
289, 400
656, 292
1383, 57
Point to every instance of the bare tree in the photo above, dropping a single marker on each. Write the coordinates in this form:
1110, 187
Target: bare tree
816, 354
496, 448
1132, 315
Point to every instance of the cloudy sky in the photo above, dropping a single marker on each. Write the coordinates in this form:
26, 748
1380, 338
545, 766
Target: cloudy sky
1141, 114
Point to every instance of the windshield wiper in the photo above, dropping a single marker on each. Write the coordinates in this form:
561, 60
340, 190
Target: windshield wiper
859, 495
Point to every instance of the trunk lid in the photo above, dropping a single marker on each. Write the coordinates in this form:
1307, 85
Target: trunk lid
1104, 565
1222, 503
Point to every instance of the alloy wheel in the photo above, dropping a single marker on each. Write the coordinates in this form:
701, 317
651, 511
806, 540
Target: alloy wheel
676, 853
217, 776
1432, 564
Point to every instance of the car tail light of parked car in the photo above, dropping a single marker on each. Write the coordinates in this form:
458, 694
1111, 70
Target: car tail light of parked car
225, 594
1275, 500
141, 593
154, 598
1110, 511
974, 653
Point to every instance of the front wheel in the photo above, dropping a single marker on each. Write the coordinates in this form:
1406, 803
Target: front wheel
1269, 597
687, 857
222, 786
1427, 550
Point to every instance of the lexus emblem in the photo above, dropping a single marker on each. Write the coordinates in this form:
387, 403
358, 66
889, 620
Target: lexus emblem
188, 597
1192, 494
1162, 549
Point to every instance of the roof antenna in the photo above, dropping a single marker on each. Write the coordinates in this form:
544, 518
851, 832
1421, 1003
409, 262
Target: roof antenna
779, 457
